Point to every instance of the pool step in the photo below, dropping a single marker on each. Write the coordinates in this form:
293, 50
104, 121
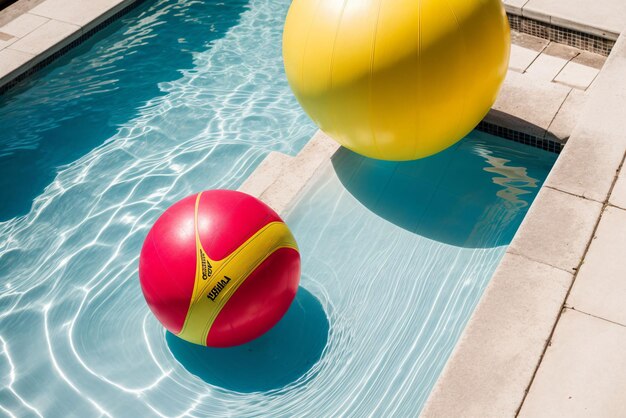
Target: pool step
265, 174
279, 178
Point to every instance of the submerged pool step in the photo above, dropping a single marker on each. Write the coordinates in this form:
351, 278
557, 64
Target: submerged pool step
279, 178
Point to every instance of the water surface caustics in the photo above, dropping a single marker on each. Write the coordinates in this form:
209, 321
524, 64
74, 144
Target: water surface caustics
182, 96
133, 136
403, 252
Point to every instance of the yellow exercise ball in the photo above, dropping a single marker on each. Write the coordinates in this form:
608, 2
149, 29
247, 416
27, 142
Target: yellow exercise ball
396, 79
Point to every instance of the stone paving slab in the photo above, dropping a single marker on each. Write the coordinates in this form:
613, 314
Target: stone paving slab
78, 12
13, 11
583, 373
604, 18
556, 229
546, 67
577, 75
521, 58
300, 170
6, 40
565, 52
589, 59
50, 33
514, 6
600, 287
618, 196
11, 61
588, 164
42, 27
23, 25
523, 300
567, 117
527, 41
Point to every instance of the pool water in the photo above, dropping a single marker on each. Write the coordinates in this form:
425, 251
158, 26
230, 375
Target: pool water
182, 96
399, 254
172, 87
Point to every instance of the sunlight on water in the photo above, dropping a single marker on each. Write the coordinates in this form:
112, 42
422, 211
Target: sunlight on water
384, 295
404, 251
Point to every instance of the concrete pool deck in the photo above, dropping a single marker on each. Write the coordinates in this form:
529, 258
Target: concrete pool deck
546, 338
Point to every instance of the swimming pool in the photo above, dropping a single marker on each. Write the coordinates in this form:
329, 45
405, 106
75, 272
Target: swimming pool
181, 96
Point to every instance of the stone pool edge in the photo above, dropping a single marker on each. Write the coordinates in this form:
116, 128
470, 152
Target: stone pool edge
49, 30
499, 352
502, 346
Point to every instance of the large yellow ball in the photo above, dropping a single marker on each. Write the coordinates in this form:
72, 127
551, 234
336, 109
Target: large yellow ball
396, 79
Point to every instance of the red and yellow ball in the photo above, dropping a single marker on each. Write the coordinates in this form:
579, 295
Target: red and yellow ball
219, 268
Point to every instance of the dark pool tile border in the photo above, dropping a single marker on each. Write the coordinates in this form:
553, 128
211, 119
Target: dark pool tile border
552, 32
82, 38
516, 136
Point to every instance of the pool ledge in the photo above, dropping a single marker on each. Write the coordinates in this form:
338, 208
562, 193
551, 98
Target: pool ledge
279, 178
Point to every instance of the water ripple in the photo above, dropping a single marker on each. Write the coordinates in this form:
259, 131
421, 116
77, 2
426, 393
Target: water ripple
386, 304
72, 314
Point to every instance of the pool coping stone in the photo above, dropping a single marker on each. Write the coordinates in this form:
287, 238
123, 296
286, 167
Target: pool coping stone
557, 232
66, 23
573, 15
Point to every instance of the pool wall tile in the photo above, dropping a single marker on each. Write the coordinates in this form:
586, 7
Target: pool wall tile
583, 37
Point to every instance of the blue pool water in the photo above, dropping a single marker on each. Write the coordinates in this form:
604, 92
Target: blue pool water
181, 96
198, 76
400, 254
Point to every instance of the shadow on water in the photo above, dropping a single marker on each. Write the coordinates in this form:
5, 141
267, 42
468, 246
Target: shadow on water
66, 109
277, 358
474, 194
